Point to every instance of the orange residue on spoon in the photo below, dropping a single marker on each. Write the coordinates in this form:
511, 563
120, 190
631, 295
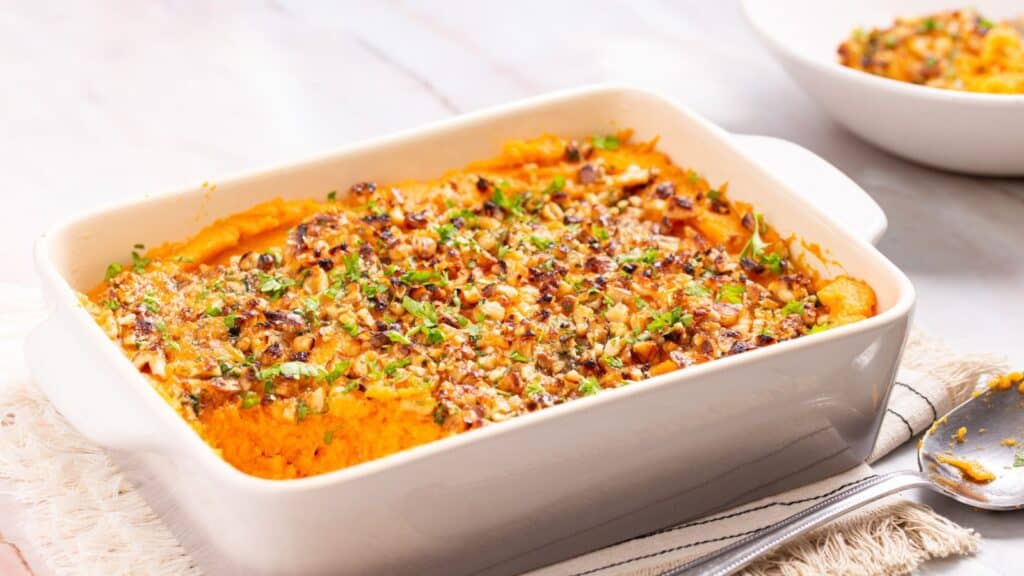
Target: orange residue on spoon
971, 469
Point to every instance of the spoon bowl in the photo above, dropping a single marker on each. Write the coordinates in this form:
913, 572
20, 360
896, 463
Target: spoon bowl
994, 425
973, 455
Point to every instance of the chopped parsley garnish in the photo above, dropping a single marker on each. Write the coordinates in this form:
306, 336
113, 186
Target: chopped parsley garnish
273, 286
351, 328
1018, 459
150, 302
139, 262
697, 289
607, 142
599, 232
445, 232
732, 293
420, 277
301, 411
213, 310
648, 256
665, 320
421, 310
557, 183
397, 337
440, 414
986, 23
589, 386
337, 371
250, 399
613, 361
332, 195
511, 204
392, 368
534, 389
929, 25
293, 370
112, 271
793, 307
518, 356
231, 321
755, 248
714, 195
352, 271
818, 328
541, 243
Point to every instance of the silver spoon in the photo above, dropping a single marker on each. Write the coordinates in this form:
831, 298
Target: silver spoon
989, 419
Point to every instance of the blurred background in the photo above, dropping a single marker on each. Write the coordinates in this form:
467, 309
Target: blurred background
106, 100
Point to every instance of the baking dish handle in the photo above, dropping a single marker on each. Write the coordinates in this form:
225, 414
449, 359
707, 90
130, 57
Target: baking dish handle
820, 183
83, 391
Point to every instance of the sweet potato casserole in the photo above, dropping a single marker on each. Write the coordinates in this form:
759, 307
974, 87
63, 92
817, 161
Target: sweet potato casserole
959, 50
301, 337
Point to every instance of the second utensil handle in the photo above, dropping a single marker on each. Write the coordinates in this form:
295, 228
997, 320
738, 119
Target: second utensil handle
740, 553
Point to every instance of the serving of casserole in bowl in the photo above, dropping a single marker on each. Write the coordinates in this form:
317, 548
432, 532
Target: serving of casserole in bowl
934, 82
480, 346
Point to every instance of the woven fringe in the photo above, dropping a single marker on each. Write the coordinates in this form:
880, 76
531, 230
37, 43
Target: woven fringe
81, 515
893, 540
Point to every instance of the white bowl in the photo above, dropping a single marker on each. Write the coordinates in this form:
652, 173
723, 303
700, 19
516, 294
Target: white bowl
947, 129
535, 489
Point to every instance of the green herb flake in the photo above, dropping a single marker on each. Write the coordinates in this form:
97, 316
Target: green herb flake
328, 437
422, 310
607, 142
818, 328
589, 386
1018, 460
337, 371
231, 321
351, 328
445, 232
420, 277
301, 411
613, 361
793, 307
112, 304
250, 399
518, 356
599, 232
332, 195
150, 301
714, 195
392, 368
397, 337
112, 271
697, 289
534, 389
541, 243
557, 183
664, 320
139, 262
732, 293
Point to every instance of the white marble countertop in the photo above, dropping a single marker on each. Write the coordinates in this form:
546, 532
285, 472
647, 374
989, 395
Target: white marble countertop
108, 100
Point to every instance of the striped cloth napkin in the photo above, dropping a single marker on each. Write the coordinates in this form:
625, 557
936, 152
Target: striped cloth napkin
83, 518
891, 536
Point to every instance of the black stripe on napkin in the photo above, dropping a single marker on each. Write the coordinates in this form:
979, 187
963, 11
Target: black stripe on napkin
910, 429
935, 413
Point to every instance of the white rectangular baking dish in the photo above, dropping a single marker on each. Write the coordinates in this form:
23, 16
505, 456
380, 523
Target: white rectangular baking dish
535, 489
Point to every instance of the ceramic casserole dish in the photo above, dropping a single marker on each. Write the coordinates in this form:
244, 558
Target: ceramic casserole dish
536, 489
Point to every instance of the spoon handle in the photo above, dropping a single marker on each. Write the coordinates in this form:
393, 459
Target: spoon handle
740, 553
